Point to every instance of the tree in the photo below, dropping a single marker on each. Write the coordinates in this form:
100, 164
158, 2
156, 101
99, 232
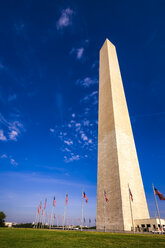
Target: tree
2, 218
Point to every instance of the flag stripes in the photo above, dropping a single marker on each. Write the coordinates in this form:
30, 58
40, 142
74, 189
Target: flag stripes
160, 195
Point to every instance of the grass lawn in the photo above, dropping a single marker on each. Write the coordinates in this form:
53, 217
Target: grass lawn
32, 238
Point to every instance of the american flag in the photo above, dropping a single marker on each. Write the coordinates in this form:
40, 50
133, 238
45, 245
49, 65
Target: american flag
54, 201
130, 193
66, 200
161, 196
84, 195
105, 195
39, 208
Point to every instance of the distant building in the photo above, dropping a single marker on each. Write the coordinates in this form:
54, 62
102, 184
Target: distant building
149, 225
8, 224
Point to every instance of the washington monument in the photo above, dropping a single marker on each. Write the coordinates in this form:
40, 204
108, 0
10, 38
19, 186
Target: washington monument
118, 167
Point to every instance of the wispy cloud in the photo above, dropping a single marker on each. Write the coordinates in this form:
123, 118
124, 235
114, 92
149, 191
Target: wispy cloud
52, 130
87, 82
13, 135
65, 19
42, 179
10, 159
13, 162
78, 135
92, 97
3, 156
84, 137
78, 52
2, 136
13, 129
68, 142
72, 158
95, 64
78, 138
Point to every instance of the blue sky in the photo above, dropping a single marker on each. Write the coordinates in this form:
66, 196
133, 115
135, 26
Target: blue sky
49, 60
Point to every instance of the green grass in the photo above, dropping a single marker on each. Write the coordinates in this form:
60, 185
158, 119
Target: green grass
33, 238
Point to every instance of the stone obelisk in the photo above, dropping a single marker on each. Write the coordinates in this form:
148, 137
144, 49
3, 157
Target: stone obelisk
118, 164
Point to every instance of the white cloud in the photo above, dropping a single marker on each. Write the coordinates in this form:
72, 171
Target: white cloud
68, 142
84, 137
13, 135
87, 82
95, 64
81, 135
4, 156
72, 158
86, 123
86, 111
15, 128
2, 136
13, 162
51, 130
67, 150
65, 19
89, 96
92, 98
78, 52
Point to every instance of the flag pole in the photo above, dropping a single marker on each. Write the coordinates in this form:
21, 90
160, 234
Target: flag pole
157, 207
48, 219
44, 218
64, 217
64, 213
51, 218
57, 220
104, 213
41, 219
35, 223
131, 209
38, 221
82, 212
